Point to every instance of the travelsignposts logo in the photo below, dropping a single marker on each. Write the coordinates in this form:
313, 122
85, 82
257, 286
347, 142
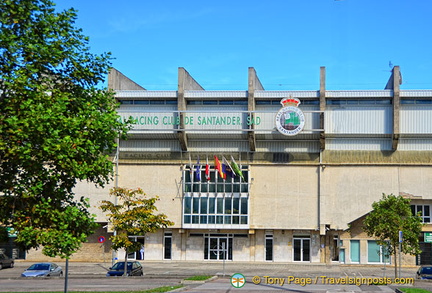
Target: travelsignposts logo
238, 280
290, 120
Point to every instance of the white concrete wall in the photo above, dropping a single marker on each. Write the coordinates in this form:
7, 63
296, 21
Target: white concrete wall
163, 181
284, 197
347, 193
95, 195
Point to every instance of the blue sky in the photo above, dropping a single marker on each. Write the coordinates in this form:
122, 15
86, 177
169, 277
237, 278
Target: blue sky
286, 41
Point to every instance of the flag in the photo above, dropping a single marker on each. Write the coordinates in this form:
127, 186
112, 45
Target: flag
218, 166
198, 171
207, 170
228, 168
236, 168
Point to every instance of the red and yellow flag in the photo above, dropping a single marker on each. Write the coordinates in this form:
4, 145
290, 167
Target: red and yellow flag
218, 166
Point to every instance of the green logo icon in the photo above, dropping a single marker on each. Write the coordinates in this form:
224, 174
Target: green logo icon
238, 280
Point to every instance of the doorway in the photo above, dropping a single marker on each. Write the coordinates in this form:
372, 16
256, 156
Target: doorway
301, 248
139, 253
218, 247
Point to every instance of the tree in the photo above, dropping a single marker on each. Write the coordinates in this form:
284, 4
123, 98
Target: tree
56, 125
389, 216
134, 215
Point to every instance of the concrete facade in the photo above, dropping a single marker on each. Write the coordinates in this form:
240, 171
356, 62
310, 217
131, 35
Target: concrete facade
303, 196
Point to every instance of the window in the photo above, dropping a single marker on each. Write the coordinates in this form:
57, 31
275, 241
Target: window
358, 102
217, 102
355, 251
215, 184
423, 210
377, 253
147, 102
216, 201
216, 209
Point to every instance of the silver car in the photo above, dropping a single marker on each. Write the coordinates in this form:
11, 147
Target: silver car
43, 269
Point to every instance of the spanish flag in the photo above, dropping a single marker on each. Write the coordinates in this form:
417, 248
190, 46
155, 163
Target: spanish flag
218, 166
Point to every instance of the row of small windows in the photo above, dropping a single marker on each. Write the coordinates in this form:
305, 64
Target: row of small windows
377, 102
418, 102
357, 102
245, 102
210, 102
148, 102
277, 102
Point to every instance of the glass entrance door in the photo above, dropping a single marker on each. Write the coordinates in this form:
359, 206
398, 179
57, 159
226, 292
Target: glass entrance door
301, 249
138, 254
218, 247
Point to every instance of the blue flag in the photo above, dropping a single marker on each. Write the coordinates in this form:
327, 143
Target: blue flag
198, 171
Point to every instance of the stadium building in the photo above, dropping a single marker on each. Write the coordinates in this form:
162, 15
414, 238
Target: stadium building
279, 176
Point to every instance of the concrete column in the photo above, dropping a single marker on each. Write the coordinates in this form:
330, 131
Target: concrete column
252, 244
393, 84
118, 81
397, 80
253, 84
322, 95
185, 82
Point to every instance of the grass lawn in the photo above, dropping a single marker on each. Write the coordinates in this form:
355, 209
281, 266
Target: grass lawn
414, 290
198, 278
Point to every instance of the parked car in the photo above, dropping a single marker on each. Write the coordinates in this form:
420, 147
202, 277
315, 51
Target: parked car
43, 269
424, 273
134, 268
6, 261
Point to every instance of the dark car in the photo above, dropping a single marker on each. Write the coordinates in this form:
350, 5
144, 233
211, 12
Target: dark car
134, 268
424, 273
6, 261
43, 269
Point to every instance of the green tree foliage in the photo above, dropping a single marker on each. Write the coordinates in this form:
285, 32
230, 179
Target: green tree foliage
56, 125
133, 215
389, 216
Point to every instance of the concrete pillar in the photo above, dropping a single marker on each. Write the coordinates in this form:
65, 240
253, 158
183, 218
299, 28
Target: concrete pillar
253, 84
185, 82
397, 80
322, 95
118, 81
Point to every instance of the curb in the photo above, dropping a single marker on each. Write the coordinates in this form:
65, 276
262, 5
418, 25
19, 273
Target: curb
188, 283
192, 282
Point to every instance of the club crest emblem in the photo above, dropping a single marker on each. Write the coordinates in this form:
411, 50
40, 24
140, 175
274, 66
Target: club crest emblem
290, 120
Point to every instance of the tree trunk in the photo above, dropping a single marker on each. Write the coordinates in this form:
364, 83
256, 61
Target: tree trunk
125, 263
395, 262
